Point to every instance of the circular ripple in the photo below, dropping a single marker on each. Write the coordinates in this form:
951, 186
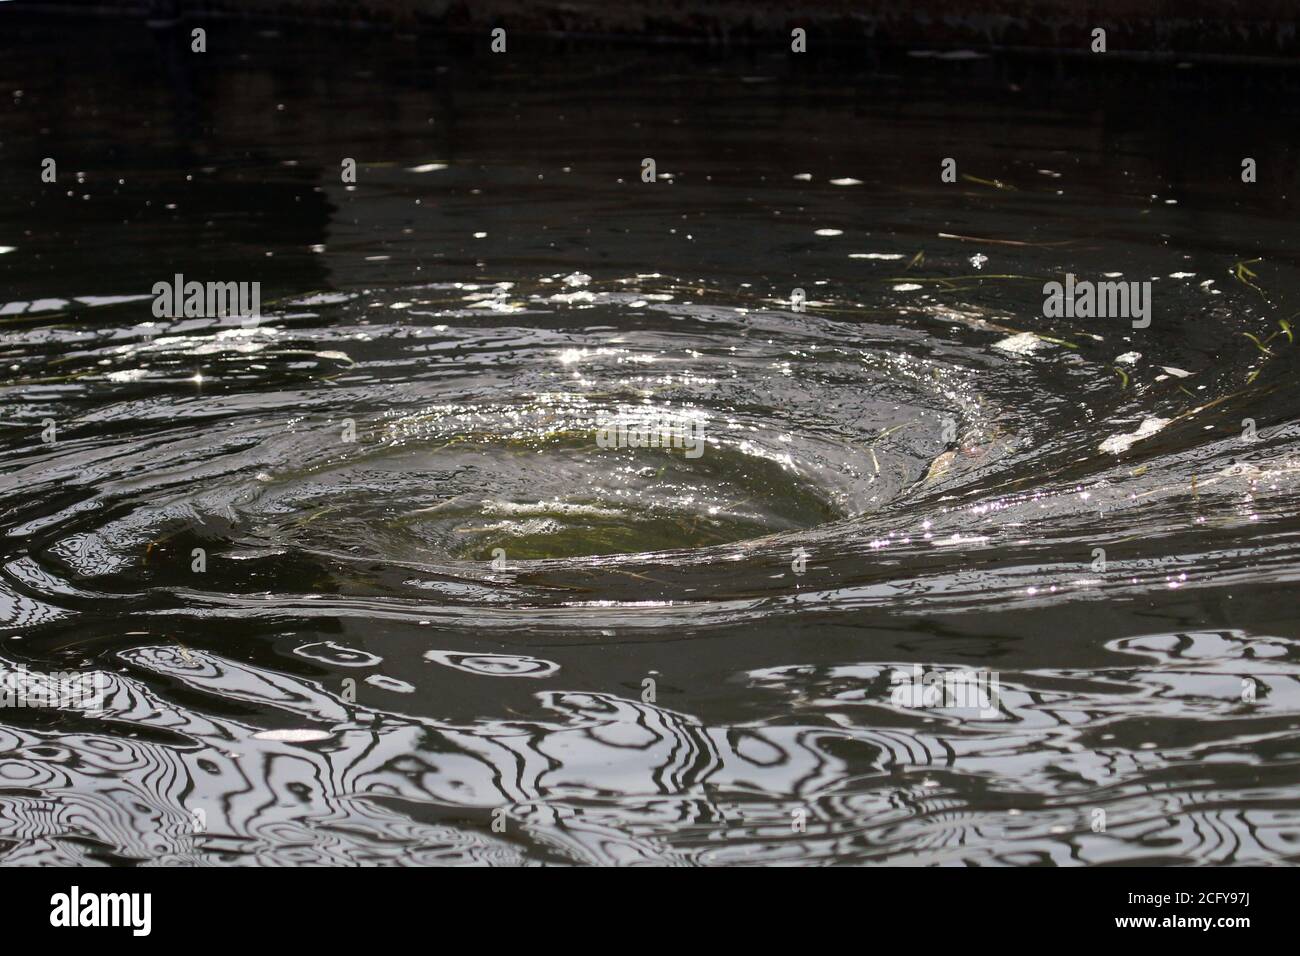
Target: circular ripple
459, 458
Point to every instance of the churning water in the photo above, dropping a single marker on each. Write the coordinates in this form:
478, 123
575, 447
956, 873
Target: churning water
362, 583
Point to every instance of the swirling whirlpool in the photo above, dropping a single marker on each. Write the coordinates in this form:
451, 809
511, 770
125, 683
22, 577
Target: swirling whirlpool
431, 457
636, 450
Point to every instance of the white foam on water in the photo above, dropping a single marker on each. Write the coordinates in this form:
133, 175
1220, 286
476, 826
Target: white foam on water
1116, 444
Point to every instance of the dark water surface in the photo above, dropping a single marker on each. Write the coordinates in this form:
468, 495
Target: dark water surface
349, 677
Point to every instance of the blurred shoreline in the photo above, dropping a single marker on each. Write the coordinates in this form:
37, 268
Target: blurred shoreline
1264, 31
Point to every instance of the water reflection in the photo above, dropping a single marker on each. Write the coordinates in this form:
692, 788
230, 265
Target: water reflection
313, 654
598, 778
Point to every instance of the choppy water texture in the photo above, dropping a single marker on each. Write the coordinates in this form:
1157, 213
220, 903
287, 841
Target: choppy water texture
361, 580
